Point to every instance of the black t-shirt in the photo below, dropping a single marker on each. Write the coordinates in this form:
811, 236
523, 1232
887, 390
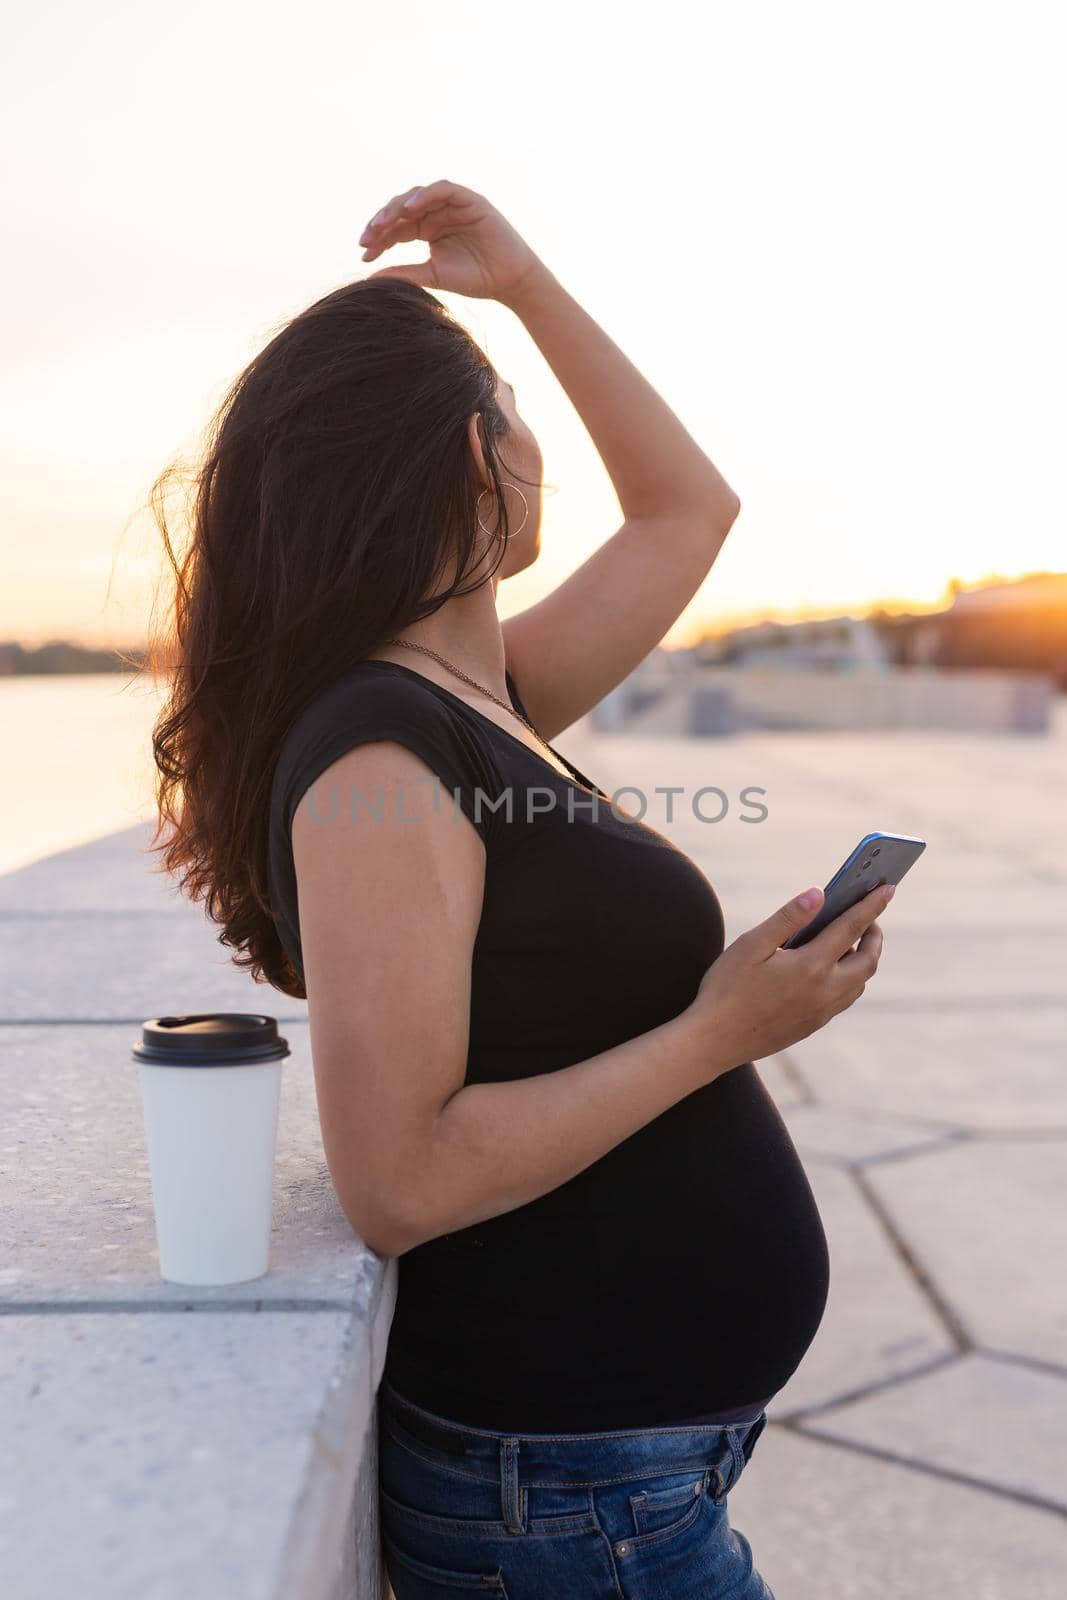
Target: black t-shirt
685, 1272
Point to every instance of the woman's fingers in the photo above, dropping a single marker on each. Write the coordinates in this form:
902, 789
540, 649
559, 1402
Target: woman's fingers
417, 202
473, 249
428, 195
396, 232
838, 937
863, 961
389, 210
850, 974
388, 214
428, 226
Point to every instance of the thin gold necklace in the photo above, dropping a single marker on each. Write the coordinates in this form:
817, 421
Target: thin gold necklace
503, 704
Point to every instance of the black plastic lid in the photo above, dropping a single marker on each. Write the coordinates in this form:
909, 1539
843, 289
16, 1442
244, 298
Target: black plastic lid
210, 1039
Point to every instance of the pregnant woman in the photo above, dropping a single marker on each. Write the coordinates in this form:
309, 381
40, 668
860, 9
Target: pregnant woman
533, 1056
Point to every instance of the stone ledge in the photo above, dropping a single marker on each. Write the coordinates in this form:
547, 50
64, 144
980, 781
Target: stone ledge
160, 1438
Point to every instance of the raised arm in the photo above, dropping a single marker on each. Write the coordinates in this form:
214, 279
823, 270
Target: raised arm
569, 649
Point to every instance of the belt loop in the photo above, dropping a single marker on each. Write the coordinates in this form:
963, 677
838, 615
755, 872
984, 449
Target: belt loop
738, 1455
753, 1434
512, 1497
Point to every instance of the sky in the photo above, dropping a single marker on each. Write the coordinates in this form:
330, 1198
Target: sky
828, 234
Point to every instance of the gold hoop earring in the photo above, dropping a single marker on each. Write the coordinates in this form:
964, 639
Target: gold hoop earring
525, 514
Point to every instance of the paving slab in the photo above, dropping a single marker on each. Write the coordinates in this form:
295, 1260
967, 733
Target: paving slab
815, 783
781, 1082
968, 791
828, 1523
951, 962
655, 765
988, 1221
157, 1432
1000, 1424
947, 964
112, 874
981, 1066
98, 964
853, 1137
877, 1325
76, 1219
747, 898
132, 946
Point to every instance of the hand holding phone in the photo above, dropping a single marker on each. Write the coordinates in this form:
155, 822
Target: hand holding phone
757, 999
878, 858
752, 1002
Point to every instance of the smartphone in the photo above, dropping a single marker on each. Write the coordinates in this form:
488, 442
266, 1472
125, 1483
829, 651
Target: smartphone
878, 858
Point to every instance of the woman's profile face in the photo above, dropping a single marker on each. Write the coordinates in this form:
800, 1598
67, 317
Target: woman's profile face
520, 463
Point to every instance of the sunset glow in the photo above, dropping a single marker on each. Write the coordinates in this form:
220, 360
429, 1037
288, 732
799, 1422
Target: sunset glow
825, 234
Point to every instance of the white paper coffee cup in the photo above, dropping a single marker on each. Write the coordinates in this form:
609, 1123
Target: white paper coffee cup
210, 1087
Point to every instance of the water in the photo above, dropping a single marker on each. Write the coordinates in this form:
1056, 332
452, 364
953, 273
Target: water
77, 760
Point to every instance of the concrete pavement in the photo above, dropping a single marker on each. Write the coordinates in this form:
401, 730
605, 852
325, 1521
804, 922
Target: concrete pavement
161, 1441
921, 1448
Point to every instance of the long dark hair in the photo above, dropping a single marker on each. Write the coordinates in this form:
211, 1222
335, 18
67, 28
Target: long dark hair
336, 490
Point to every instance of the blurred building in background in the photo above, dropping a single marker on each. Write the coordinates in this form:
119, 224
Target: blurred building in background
992, 661
1021, 625
842, 644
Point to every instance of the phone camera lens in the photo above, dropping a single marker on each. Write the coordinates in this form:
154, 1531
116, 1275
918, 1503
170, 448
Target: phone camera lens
876, 852
865, 864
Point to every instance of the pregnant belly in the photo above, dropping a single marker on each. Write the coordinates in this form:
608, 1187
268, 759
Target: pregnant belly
684, 1272
711, 1246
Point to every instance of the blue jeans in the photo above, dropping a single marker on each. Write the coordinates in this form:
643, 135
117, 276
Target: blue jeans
638, 1513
